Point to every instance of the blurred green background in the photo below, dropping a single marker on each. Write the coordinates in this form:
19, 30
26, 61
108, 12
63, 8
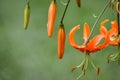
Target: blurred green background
31, 55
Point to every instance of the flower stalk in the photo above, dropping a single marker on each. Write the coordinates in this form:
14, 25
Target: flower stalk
100, 15
118, 19
64, 12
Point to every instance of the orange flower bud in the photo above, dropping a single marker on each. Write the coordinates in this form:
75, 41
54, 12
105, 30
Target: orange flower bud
78, 3
51, 17
61, 41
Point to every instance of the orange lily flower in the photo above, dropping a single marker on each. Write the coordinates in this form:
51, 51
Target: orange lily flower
92, 46
51, 17
61, 41
111, 36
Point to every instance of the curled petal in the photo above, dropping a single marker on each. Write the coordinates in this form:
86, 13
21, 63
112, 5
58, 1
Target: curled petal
103, 22
103, 30
92, 45
114, 29
86, 32
72, 41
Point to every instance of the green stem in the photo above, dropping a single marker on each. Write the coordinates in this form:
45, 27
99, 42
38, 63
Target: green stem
80, 75
98, 20
118, 19
92, 63
118, 53
64, 12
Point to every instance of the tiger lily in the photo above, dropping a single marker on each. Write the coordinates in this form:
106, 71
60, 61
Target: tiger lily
87, 48
111, 35
112, 38
92, 45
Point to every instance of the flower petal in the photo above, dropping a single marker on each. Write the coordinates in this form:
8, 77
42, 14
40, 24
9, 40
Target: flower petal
103, 22
72, 41
86, 32
114, 29
103, 30
92, 45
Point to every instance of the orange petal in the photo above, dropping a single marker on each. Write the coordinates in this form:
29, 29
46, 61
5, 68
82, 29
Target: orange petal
103, 30
51, 17
103, 22
114, 29
86, 32
61, 41
92, 45
72, 41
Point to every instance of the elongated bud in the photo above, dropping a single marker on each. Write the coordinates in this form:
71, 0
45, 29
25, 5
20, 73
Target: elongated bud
51, 17
78, 3
26, 15
61, 41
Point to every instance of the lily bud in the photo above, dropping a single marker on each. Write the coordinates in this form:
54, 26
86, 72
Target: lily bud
51, 17
26, 15
61, 41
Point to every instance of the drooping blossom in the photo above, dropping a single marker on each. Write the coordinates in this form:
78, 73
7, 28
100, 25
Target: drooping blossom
112, 37
87, 47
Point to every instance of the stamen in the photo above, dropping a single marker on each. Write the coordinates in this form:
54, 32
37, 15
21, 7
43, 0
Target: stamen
108, 58
98, 71
80, 75
84, 68
73, 68
114, 38
114, 57
82, 63
92, 63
